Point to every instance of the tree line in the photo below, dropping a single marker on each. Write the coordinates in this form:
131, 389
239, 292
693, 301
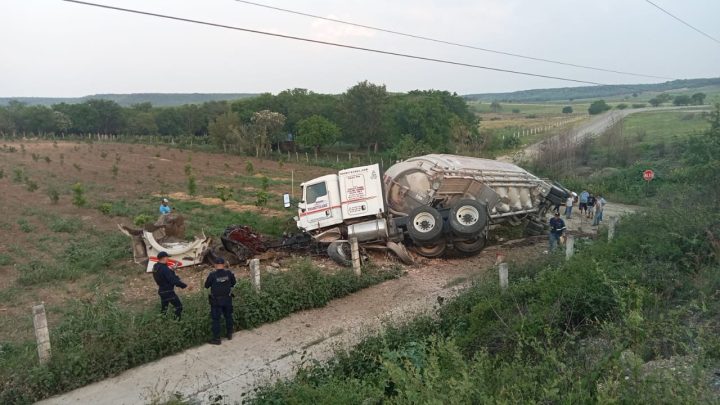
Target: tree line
365, 116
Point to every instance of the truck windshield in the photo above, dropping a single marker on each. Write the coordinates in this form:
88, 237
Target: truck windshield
315, 191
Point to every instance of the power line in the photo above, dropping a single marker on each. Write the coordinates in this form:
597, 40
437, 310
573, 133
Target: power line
685, 23
445, 42
315, 41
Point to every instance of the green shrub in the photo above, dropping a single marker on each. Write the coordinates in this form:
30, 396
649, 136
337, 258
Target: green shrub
105, 208
65, 224
5, 259
78, 195
35, 157
114, 170
103, 154
25, 226
31, 185
18, 175
53, 194
143, 219
191, 185
2, 173
77, 167
47, 159
249, 168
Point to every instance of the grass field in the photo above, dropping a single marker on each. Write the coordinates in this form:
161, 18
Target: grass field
664, 125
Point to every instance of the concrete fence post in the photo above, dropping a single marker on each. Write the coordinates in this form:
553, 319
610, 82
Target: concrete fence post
611, 228
255, 273
42, 334
569, 247
355, 254
503, 273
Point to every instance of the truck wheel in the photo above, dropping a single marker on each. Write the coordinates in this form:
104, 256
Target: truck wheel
470, 247
467, 218
339, 251
534, 228
425, 224
434, 250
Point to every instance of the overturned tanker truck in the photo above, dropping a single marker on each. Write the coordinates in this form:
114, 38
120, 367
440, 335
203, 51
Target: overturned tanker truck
433, 204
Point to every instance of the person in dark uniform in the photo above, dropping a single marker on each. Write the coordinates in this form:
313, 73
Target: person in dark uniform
557, 228
220, 282
167, 280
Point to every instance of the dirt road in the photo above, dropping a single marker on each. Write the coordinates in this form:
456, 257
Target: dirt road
594, 126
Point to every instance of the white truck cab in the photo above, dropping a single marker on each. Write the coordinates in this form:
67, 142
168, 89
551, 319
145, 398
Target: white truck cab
336, 198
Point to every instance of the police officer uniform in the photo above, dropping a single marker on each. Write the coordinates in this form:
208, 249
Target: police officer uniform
167, 280
220, 282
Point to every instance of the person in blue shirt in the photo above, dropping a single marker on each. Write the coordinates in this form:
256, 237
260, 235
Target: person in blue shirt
164, 207
584, 202
557, 228
220, 282
167, 280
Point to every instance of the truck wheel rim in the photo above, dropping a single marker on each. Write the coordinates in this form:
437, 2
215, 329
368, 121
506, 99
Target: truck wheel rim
467, 215
424, 222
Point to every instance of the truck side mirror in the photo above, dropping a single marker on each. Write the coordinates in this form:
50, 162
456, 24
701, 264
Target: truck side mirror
286, 200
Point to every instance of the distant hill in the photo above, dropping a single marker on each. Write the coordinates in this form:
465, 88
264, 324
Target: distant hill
588, 92
157, 99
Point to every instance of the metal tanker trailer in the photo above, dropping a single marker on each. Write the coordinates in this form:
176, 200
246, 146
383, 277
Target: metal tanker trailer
432, 203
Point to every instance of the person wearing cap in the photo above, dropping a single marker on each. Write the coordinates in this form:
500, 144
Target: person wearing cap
164, 207
220, 282
557, 228
167, 280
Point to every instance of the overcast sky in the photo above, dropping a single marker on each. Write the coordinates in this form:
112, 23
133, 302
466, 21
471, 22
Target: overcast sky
55, 48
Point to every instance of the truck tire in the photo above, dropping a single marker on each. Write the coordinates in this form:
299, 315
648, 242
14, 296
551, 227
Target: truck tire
470, 247
339, 252
534, 228
432, 250
468, 218
425, 224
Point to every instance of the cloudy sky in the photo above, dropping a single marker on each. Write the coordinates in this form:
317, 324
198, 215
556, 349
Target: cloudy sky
55, 48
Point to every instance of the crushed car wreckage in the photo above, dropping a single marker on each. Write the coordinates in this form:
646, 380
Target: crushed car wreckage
237, 244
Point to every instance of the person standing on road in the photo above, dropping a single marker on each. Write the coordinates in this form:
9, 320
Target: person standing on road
569, 206
167, 280
220, 282
164, 207
599, 208
557, 228
590, 206
583, 206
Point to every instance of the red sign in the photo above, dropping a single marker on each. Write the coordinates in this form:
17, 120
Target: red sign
648, 175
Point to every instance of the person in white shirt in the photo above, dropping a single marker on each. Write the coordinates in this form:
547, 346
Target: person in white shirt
569, 206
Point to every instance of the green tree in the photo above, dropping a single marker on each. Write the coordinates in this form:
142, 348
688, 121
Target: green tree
317, 131
598, 107
266, 125
227, 131
495, 107
62, 122
567, 110
698, 98
363, 109
141, 123
654, 101
682, 100
108, 115
169, 121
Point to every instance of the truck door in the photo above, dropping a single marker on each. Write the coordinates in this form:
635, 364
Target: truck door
318, 210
